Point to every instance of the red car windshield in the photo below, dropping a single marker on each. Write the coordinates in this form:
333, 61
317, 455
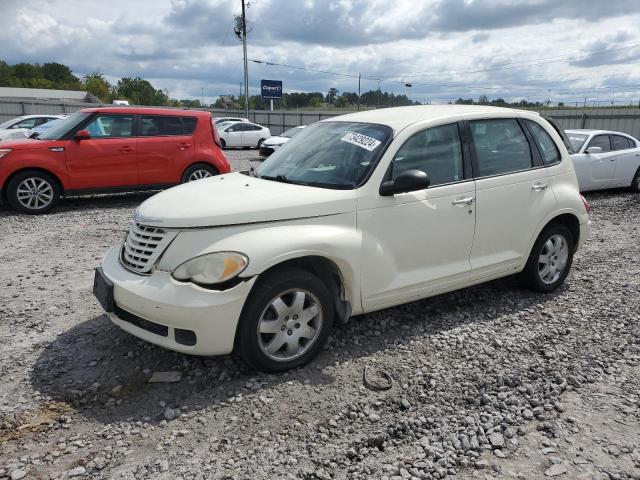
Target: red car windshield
64, 127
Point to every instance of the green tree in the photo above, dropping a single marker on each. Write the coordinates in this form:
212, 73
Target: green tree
58, 74
341, 102
96, 84
140, 92
332, 95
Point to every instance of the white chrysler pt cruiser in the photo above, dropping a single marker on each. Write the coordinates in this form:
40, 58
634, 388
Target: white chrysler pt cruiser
355, 214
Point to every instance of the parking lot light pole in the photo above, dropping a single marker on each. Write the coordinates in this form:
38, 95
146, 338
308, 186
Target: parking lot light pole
246, 67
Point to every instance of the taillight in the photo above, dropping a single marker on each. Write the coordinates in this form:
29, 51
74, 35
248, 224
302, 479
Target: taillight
587, 207
216, 136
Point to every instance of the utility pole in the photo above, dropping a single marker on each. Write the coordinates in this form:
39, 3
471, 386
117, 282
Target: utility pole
246, 67
359, 79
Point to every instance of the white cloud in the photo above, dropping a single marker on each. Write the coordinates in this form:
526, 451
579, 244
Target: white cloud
186, 45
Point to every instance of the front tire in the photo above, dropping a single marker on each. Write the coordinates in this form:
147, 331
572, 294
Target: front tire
285, 321
198, 172
550, 259
223, 144
260, 143
33, 192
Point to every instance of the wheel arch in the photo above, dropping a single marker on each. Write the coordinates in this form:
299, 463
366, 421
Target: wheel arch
196, 163
30, 169
570, 221
328, 272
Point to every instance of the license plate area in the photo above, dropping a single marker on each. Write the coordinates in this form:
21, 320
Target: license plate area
103, 290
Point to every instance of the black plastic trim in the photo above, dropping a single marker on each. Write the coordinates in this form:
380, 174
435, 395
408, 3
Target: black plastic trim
136, 321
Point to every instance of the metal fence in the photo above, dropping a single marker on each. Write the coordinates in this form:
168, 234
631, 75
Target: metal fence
625, 120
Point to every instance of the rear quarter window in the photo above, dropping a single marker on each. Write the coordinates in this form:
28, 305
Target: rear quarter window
547, 147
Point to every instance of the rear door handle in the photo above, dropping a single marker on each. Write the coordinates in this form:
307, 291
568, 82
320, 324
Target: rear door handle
126, 149
463, 201
538, 187
182, 146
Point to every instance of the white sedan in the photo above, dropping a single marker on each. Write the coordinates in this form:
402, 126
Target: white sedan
21, 127
271, 144
243, 134
605, 159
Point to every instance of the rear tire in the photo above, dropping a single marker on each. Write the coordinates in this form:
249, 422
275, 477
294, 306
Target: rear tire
33, 192
550, 259
198, 172
635, 185
285, 321
260, 143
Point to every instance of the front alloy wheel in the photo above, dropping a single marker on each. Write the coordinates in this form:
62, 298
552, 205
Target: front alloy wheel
33, 192
285, 321
289, 325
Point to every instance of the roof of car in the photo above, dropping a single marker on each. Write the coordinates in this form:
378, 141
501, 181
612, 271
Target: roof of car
149, 111
587, 131
400, 117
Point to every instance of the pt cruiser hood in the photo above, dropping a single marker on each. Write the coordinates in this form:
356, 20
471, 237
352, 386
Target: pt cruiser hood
235, 199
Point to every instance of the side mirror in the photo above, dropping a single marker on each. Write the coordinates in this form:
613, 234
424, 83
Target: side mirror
82, 135
592, 150
409, 181
230, 130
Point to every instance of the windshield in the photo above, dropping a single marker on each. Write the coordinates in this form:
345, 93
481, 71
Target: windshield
577, 140
7, 124
328, 154
61, 129
291, 132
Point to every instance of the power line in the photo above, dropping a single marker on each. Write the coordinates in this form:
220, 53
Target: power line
524, 63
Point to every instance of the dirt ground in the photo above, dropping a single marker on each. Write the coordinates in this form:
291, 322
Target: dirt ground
488, 382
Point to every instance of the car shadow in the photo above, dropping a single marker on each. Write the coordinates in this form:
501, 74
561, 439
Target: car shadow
89, 202
103, 372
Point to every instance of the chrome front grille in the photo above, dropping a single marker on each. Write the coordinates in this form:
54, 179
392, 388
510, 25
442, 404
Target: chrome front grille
143, 247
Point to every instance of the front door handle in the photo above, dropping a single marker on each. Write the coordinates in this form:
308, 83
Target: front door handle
463, 201
538, 187
126, 149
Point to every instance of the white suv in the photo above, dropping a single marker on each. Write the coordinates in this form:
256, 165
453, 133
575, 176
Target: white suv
354, 214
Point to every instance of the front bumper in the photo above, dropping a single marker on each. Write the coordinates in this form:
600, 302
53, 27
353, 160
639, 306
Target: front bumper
147, 304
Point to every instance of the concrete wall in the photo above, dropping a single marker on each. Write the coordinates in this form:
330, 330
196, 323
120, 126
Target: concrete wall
625, 120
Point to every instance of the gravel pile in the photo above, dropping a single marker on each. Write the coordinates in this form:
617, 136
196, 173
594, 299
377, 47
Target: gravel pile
489, 382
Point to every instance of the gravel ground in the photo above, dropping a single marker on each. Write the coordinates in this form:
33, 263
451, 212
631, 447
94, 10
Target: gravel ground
489, 382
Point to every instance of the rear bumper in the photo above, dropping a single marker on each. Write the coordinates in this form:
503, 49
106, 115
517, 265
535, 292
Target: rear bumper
178, 316
585, 233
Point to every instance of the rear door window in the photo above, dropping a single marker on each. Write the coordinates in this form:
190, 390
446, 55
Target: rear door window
620, 143
189, 124
546, 145
162, 125
501, 146
601, 141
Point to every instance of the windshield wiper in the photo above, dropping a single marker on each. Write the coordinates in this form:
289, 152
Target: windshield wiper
277, 178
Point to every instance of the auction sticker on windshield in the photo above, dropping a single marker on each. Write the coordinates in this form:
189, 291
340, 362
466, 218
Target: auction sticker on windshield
360, 140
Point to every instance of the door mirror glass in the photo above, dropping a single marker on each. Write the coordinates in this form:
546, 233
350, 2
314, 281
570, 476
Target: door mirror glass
407, 181
82, 135
230, 130
592, 150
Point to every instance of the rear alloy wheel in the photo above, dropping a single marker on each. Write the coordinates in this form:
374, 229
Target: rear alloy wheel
286, 320
198, 172
33, 192
550, 259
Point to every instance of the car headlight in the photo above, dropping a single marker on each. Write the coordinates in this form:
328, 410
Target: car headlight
211, 268
4, 151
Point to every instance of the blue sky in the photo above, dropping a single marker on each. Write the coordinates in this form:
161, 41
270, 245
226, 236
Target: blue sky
540, 49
